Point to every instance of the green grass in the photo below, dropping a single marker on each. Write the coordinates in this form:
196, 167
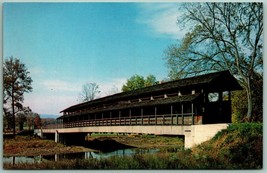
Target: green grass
147, 161
240, 146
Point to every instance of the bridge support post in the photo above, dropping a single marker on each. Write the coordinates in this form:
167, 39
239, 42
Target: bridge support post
56, 137
38, 132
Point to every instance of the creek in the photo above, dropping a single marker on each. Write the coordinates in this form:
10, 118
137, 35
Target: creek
81, 155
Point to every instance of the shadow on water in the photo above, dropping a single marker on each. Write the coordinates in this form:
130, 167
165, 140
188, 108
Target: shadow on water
105, 145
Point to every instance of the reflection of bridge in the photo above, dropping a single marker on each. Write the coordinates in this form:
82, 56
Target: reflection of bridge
195, 108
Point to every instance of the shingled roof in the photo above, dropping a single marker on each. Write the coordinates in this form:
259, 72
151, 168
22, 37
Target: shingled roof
162, 101
217, 78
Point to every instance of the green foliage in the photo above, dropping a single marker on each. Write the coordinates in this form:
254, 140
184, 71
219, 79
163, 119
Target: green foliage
16, 82
240, 130
135, 82
241, 145
138, 81
150, 80
239, 102
257, 99
239, 106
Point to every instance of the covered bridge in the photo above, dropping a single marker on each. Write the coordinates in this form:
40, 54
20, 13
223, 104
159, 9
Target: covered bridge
204, 99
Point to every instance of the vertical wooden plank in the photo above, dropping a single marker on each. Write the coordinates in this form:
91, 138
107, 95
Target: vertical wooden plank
155, 115
182, 114
102, 119
230, 101
171, 115
142, 119
119, 117
130, 115
110, 116
95, 119
192, 110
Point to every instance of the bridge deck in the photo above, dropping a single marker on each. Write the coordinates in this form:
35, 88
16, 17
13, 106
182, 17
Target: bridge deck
160, 130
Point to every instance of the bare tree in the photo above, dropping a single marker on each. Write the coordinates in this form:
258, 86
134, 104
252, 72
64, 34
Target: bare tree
89, 92
224, 36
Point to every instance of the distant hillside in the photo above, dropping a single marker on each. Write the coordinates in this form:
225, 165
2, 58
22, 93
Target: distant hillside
49, 116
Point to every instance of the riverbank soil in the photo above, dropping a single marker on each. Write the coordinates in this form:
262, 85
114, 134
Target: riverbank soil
34, 146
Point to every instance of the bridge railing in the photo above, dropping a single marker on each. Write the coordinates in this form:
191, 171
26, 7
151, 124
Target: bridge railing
166, 119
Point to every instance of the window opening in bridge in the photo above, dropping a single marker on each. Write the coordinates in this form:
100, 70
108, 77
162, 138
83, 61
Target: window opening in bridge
213, 97
226, 96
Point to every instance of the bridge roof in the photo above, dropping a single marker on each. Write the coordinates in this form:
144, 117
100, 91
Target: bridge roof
146, 103
212, 81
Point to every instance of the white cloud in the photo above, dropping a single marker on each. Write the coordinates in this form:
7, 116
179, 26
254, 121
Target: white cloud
161, 18
49, 103
109, 87
53, 96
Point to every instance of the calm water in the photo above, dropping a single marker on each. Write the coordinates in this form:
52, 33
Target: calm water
83, 155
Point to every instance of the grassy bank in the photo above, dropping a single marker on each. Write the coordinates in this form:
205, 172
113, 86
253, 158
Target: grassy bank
141, 141
240, 146
34, 146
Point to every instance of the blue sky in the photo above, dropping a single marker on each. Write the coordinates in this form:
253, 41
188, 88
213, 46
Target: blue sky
65, 45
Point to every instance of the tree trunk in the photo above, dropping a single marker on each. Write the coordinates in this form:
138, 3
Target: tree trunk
13, 114
21, 126
249, 101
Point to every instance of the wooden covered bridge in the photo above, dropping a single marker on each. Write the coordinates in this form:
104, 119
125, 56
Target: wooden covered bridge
196, 107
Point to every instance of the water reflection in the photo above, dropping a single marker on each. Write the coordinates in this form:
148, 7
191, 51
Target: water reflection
82, 155
22, 159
